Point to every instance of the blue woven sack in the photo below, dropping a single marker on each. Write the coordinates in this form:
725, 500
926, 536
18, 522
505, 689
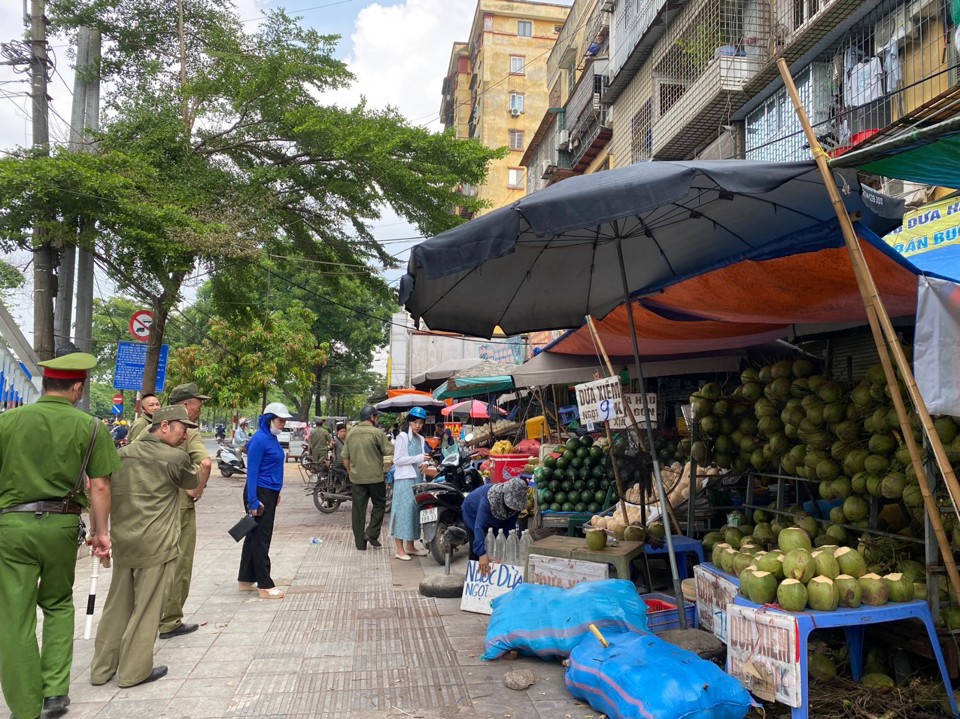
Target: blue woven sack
548, 622
389, 478
643, 677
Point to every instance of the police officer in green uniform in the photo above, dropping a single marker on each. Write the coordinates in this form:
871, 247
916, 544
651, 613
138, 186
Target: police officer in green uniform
171, 623
42, 449
363, 453
148, 405
145, 530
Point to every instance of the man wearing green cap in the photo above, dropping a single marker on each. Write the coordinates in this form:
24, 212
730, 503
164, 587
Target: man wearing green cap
171, 623
145, 529
148, 405
45, 448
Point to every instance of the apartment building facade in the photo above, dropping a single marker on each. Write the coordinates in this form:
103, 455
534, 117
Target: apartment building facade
496, 86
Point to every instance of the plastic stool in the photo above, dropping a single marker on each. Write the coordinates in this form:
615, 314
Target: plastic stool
852, 621
681, 545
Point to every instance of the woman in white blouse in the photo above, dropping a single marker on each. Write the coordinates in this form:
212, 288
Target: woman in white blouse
410, 457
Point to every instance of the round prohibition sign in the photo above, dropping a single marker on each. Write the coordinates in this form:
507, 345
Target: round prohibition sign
140, 324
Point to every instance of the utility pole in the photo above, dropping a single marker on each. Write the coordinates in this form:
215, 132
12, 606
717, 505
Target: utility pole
43, 279
88, 74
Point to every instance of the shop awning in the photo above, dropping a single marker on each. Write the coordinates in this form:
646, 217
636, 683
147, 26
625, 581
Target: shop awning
473, 386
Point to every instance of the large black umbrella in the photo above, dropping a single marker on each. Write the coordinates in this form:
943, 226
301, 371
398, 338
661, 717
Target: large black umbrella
583, 246
557, 255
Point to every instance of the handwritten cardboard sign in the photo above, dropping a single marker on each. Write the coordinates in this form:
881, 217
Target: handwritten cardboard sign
564, 573
762, 654
479, 592
635, 401
600, 400
714, 593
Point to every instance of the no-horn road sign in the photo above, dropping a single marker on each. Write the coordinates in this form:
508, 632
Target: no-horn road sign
140, 324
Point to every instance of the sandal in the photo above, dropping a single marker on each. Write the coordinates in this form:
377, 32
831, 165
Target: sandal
418, 552
402, 557
272, 593
246, 586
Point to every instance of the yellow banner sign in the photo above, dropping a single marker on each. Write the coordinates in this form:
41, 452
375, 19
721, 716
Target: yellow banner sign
931, 227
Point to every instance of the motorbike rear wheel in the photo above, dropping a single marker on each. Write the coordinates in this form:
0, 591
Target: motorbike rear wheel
438, 545
327, 506
225, 472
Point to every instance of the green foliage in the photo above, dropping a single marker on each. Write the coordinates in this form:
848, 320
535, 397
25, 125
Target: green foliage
237, 364
10, 278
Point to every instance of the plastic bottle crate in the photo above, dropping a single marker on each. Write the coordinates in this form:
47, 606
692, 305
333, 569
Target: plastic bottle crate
662, 613
504, 467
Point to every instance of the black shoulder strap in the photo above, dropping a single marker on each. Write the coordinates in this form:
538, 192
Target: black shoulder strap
81, 477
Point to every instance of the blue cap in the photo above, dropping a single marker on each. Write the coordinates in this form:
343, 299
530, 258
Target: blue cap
417, 413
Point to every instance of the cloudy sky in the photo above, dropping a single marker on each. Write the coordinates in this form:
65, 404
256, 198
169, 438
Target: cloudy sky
398, 52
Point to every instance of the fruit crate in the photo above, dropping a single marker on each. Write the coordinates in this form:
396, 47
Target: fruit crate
662, 612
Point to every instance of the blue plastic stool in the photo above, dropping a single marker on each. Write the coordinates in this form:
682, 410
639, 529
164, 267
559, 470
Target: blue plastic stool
681, 546
852, 621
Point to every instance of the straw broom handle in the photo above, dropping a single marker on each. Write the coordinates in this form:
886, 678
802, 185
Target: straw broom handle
886, 340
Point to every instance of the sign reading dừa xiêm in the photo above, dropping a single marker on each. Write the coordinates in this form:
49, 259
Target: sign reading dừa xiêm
600, 400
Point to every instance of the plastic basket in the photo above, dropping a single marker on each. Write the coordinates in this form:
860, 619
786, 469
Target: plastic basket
504, 467
662, 612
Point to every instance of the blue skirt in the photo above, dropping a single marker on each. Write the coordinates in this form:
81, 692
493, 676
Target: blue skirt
405, 515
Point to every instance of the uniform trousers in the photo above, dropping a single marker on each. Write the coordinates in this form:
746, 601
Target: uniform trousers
255, 555
179, 588
38, 559
362, 494
128, 628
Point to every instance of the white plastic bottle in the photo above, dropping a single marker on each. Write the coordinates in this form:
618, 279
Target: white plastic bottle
500, 545
511, 549
524, 553
490, 544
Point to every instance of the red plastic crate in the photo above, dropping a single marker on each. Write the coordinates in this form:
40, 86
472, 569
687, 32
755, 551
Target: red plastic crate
504, 467
662, 613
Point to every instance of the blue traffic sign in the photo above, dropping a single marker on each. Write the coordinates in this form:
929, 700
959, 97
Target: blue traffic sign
131, 358
117, 409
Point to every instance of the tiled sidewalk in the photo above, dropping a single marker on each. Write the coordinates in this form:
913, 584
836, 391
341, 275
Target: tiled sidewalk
353, 639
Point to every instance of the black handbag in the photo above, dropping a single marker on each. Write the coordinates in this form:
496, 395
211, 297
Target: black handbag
242, 528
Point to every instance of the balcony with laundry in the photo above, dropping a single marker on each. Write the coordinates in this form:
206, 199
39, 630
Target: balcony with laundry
701, 73
587, 127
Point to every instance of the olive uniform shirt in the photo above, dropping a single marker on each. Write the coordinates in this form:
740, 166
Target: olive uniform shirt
366, 447
42, 446
139, 427
319, 442
145, 515
198, 452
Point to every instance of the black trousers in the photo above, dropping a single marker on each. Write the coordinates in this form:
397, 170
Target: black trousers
363, 494
255, 556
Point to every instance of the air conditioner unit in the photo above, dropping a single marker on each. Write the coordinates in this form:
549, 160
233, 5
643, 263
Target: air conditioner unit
515, 111
547, 168
608, 5
563, 139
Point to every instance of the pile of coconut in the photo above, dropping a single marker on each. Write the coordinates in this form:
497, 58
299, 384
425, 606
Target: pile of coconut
798, 577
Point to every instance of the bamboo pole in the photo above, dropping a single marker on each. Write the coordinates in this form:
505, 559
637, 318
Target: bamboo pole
665, 509
887, 342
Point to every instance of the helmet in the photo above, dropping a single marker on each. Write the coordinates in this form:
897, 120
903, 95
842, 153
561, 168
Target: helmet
417, 413
277, 409
243, 421
367, 412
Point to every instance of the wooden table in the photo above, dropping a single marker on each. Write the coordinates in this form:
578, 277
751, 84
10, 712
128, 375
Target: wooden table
576, 548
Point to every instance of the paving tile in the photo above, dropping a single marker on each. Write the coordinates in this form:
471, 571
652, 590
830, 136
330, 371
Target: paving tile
205, 707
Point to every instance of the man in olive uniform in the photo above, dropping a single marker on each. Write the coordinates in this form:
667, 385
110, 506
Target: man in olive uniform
319, 441
148, 405
42, 451
144, 529
171, 623
363, 455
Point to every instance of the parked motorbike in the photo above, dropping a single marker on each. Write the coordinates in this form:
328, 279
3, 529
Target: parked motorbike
331, 488
230, 461
441, 501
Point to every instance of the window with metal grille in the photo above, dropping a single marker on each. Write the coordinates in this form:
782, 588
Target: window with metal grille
641, 133
516, 139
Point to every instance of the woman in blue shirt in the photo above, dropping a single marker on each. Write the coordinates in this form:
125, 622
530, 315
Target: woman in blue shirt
265, 462
492, 506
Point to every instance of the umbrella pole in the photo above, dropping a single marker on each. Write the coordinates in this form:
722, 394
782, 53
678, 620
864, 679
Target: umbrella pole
665, 509
887, 341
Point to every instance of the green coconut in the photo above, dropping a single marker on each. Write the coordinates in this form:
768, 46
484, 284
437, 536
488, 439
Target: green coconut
827, 566
920, 590
873, 589
830, 549
810, 525
899, 587
794, 538
733, 536
726, 559
849, 591
822, 594
837, 516
893, 485
771, 562
792, 595
799, 564
876, 464
822, 668
762, 587
851, 562
912, 569
741, 562
716, 551
855, 508
837, 533
880, 683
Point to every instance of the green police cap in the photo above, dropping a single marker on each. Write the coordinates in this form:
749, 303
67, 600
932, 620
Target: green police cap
186, 391
70, 366
174, 413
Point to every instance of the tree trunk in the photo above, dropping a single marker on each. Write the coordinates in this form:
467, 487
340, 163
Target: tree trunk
44, 287
263, 403
160, 314
318, 401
